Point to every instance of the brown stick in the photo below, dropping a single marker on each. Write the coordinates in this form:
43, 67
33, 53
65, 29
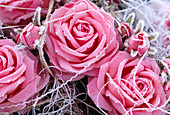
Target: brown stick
41, 42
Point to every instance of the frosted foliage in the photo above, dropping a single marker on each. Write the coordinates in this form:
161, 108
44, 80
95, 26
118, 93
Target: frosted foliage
154, 13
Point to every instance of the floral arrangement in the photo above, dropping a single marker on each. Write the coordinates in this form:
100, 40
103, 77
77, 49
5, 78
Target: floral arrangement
85, 57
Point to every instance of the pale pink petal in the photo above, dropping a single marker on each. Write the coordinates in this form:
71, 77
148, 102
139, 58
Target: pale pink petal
94, 72
151, 63
14, 76
25, 93
97, 26
93, 92
6, 42
101, 77
29, 71
61, 52
66, 65
116, 60
8, 88
76, 17
84, 63
118, 77
58, 32
114, 88
88, 45
98, 49
3, 61
69, 36
43, 81
7, 54
8, 109
16, 54
2, 98
116, 103
71, 51
109, 53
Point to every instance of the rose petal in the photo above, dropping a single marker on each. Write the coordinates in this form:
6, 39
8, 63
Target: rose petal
29, 71
98, 49
61, 52
6, 42
8, 88
8, 109
25, 93
14, 76
116, 103
69, 36
70, 51
101, 78
116, 60
93, 93
2, 98
88, 45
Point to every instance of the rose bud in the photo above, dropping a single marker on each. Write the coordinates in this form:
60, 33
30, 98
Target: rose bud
125, 30
139, 43
29, 36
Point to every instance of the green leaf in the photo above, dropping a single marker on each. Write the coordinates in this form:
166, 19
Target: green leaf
153, 36
130, 19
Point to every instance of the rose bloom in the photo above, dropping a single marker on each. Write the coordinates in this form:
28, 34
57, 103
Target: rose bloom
125, 30
118, 90
20, 11
19, 79
139, 42
77, 33
29, 35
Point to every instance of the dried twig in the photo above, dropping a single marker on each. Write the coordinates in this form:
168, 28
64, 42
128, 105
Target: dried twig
41, 42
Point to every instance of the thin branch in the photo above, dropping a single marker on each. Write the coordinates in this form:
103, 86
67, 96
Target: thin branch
41, 42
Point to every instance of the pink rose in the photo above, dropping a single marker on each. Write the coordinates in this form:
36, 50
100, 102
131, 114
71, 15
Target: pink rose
125, 30
121, 90
77, 33
139, 42
29, 36
19, 79
20, 11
